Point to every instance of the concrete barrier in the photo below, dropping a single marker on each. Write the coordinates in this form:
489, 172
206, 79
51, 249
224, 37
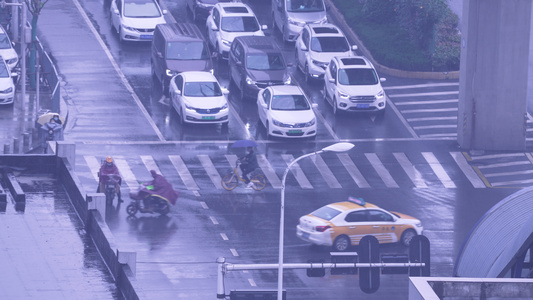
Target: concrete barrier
14, 187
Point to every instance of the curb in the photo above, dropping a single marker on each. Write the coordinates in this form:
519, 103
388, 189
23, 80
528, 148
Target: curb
338, 17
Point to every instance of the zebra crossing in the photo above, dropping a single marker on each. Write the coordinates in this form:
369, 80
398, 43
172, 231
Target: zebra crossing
334, 171
504, 169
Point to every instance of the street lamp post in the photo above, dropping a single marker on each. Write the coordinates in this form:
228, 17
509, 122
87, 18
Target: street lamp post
338, 147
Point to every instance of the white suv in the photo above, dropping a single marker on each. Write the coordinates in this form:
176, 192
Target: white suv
316, 45
352, 84
228, 21
7, 51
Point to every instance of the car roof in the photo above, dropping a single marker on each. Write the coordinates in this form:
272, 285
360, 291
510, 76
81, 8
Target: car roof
348, 205
179, 31
325, 30
235, 9
259, 44
198, 76
353, 62
286, 89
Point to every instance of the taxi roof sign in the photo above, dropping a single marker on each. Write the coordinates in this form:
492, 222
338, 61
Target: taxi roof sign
359, 201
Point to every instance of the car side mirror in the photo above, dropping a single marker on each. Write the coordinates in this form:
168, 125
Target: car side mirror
178, 92
238, 63
303, 47
225, 91
165, 11
159, 54
314, 105
214, 27
354, 47
264, 27
332, 80
383, 79
115, 11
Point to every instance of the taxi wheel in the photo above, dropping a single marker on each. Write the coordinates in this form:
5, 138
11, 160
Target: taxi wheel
341, 243
407, 236
335, 110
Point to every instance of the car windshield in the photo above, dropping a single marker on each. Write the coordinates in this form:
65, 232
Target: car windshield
327, 213
289, 102
264, 61
305, 5
141, 9
195, 50
357, 77
202, 89
329, 44
4, 42
239, 24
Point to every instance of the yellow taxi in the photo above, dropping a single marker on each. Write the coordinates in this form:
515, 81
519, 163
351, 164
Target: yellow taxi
343, 224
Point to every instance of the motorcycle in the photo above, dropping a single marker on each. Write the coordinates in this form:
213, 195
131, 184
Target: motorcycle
158, 204
110, 187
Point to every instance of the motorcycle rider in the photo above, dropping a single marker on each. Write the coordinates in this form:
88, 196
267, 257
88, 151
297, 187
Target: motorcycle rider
109, 168
248, 164
158, 186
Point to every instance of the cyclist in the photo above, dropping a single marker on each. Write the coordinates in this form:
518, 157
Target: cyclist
248, 164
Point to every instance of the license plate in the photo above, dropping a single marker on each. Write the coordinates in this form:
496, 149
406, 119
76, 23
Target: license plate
295, 131
366, 105
305, 235
146, 37
208, 118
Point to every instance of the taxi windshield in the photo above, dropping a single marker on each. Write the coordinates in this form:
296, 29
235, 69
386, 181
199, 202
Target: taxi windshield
327, 213
202, 89
289, 102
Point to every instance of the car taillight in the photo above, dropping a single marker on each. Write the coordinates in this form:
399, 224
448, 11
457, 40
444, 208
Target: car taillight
322, 228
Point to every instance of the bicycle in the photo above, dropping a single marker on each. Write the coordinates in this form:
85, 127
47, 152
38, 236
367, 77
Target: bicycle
231, 180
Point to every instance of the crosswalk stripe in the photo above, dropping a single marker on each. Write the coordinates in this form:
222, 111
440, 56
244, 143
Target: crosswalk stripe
508, 164
211, 170
425, 85
509, 173
127, 175
430, 110
297, 172
232, 159
94, 165
410, 170
326, 172
423, 94
381, 170
426, 102
492, 156
438, 169
183, 172
516, 182
467, 170
352, 169
150, 164
431, 119
269, 172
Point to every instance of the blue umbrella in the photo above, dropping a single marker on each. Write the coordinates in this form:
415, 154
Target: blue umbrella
244, 144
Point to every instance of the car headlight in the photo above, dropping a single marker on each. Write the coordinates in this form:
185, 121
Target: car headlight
279, 124
294, 22
128, 28
188, 107
319, 63
226, 42
225, 106
287, 80
249, 81
7, 91
170, 73
310, 123
342, 95
380, 94
419, 224
12, 61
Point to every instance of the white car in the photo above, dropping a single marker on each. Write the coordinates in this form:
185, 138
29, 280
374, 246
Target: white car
135, 20
285, 112
316, 45
198, 98
228, 21
352, 84
7, 88
6, 50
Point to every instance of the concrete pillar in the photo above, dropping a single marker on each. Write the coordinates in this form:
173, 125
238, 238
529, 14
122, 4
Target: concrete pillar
494, 74
96, 201
128, 258
68, 150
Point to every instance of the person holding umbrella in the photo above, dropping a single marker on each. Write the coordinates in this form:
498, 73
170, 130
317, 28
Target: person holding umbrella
248, 164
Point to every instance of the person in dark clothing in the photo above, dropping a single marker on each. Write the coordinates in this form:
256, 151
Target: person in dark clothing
56, 119
107, 170
248, 164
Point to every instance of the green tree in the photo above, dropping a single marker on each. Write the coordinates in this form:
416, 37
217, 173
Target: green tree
34, 7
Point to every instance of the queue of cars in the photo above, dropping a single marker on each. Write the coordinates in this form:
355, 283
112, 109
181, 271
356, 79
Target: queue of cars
8, 60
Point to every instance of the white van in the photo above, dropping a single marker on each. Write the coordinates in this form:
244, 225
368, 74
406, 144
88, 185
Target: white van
290, 16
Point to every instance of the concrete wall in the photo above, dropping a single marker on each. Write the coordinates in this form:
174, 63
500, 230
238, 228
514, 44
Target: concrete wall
493, 82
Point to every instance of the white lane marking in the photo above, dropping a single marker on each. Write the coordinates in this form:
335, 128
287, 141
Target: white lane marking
509, 173
504, 183
214, 220
491, 156
269, 172
529, 157
410, 170
438, 170
204, 205
429, 110
232, 159
431, 119
398, 103
234, 252
472, 176
150, 164
184, 173
352, 169
501, 165
126, 173
415, 86
297, 172
434, 127
435, 135
252, 282
326, 172
381, 170
224, 236
392, 106
94, 165
117, 69
424, 94
211, 170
